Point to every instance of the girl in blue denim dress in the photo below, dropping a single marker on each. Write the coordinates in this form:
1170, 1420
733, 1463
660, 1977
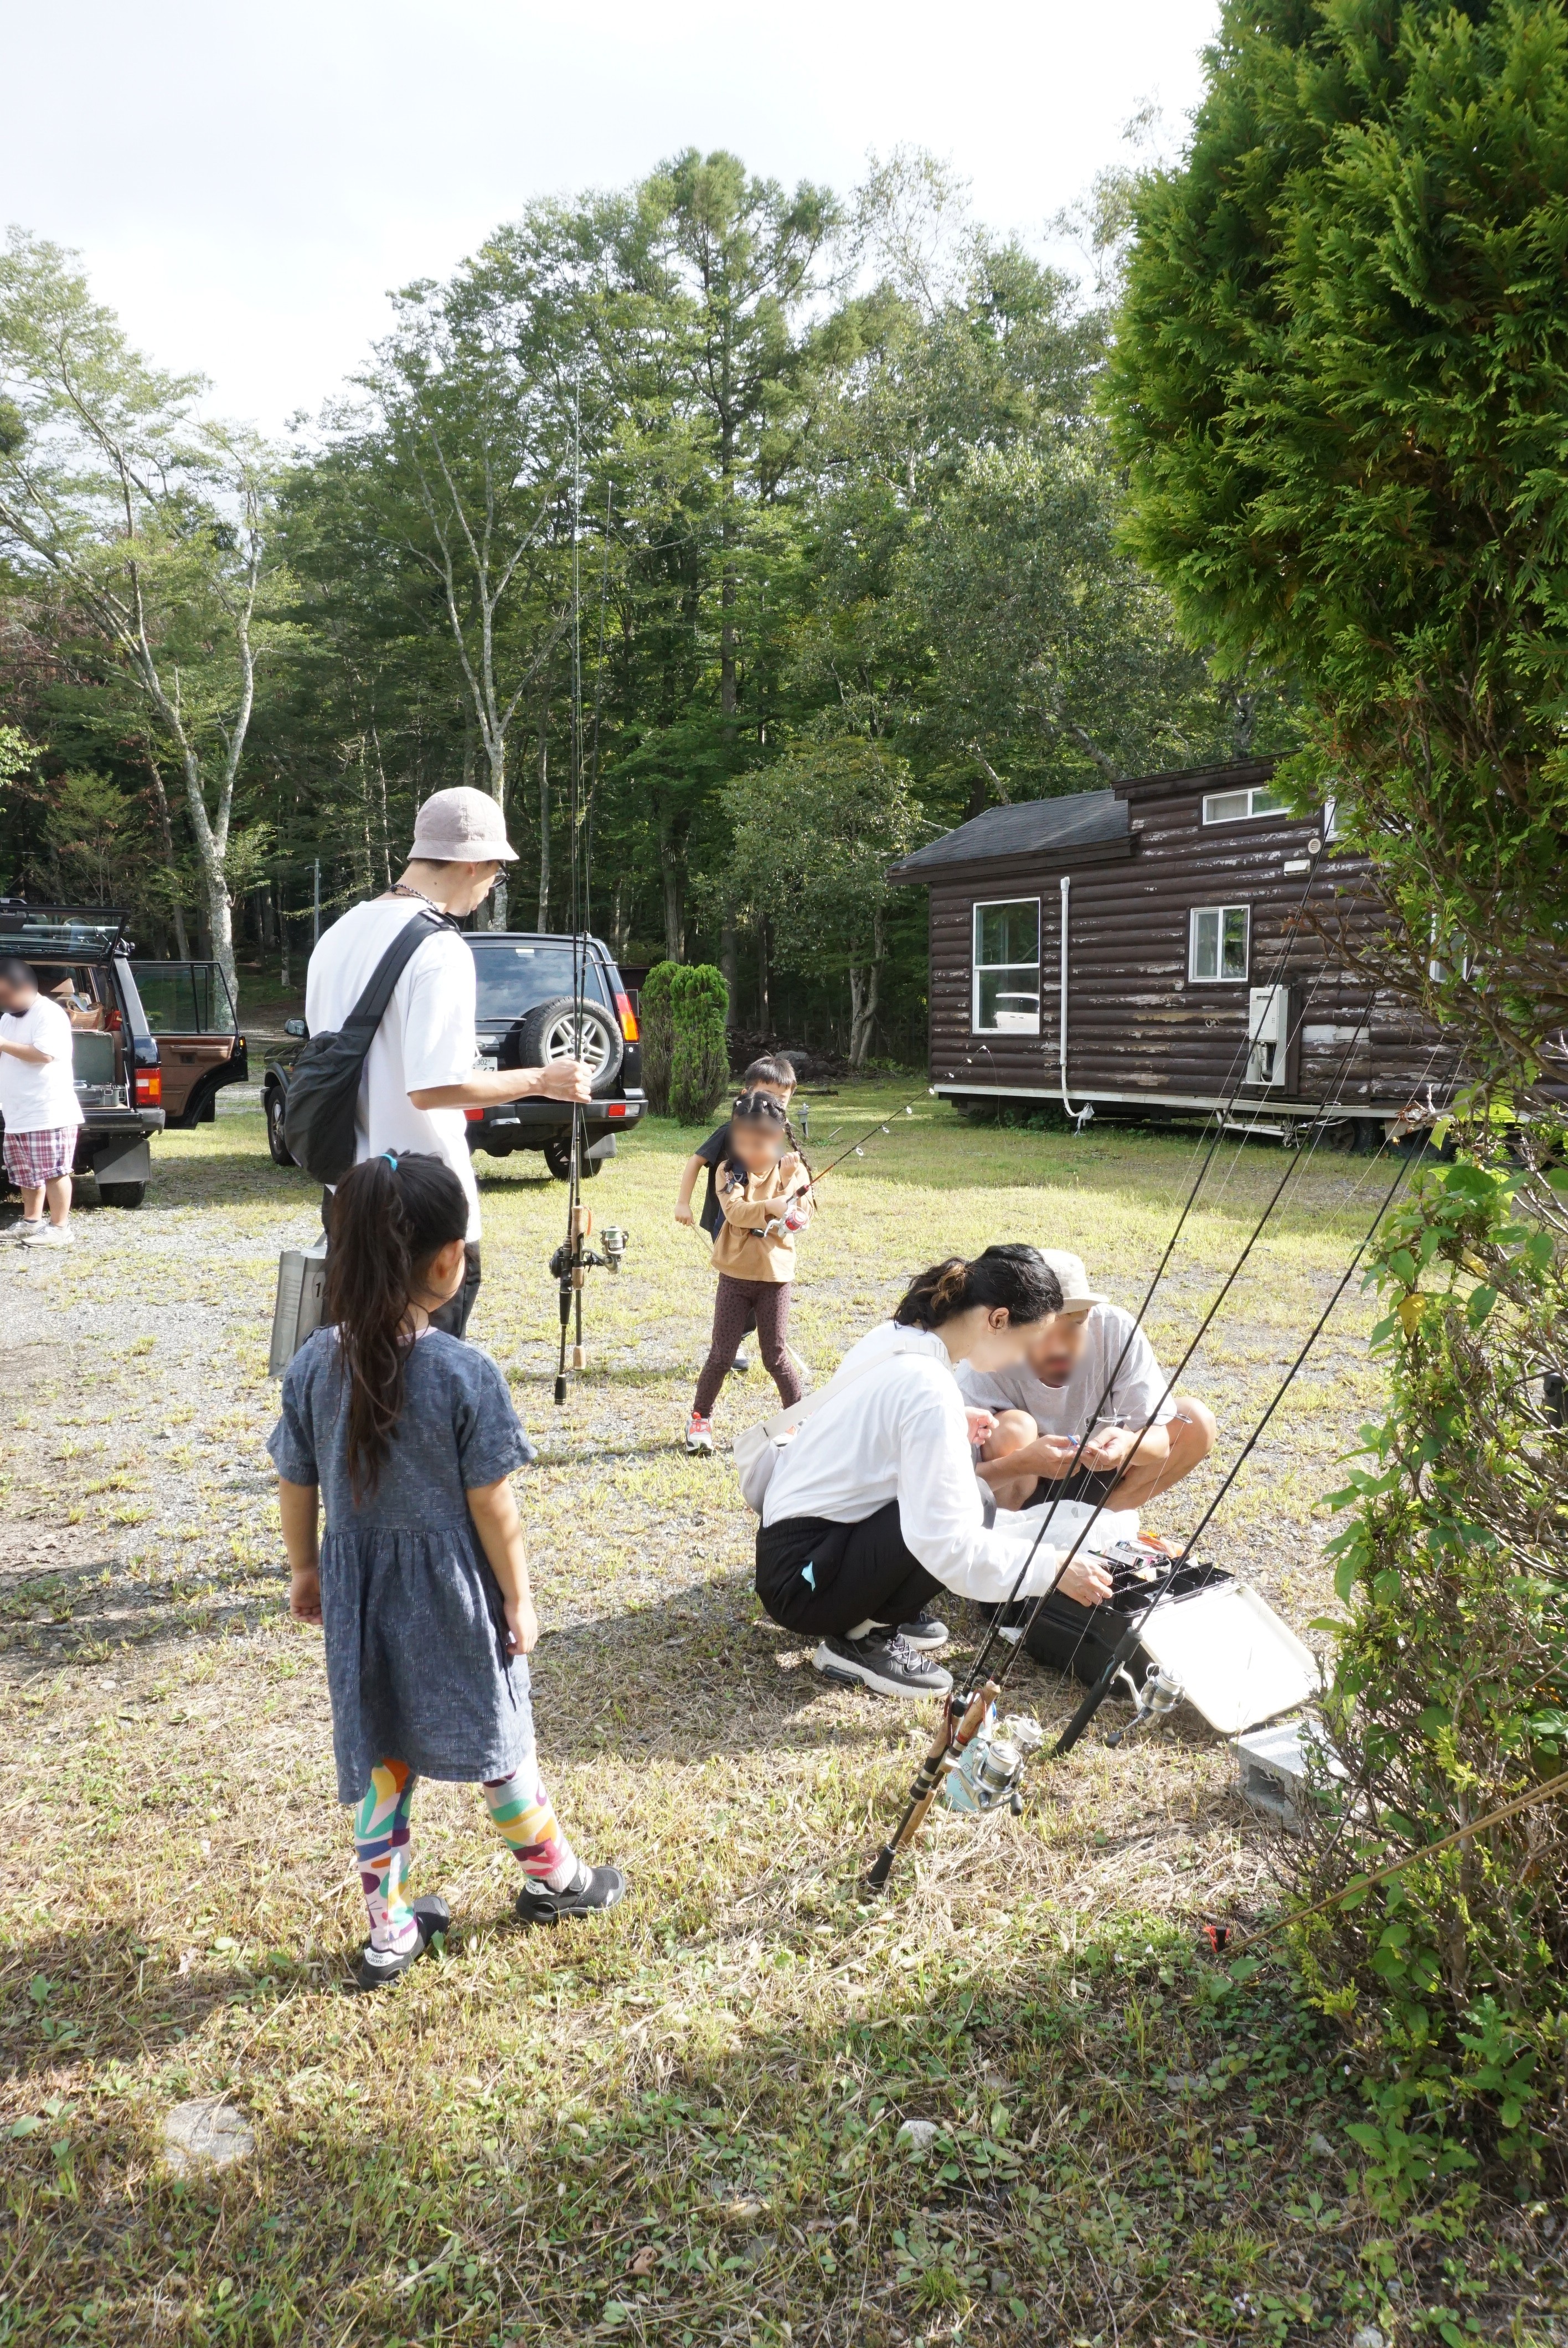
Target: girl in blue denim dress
406, 1439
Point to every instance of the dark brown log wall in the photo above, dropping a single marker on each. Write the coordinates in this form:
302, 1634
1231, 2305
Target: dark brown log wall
1138, 1026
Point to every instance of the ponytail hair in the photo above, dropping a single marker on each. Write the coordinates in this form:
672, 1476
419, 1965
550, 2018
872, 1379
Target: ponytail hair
1011, 1279
389, 1217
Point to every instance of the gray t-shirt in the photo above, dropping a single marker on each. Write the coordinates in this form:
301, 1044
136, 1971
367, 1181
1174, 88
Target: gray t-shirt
1068, 1410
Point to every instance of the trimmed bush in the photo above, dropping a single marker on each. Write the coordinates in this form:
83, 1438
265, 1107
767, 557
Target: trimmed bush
656, 1020
700, 1065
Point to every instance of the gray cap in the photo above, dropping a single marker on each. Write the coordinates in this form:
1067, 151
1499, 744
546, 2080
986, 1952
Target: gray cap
461, 826
1077, 1296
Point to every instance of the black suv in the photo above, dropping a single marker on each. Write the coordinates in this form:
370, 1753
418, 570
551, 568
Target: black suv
81, 956
527, 1015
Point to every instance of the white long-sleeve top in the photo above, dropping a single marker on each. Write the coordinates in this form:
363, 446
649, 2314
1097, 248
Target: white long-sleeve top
898, 1433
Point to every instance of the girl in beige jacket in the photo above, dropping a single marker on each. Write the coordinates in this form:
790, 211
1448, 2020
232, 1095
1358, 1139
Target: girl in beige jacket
764, 1189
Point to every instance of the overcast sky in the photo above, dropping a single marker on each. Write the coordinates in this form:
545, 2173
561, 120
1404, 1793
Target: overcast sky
245, 184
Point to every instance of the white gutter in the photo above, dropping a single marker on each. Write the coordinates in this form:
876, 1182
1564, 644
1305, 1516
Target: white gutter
1080, 1116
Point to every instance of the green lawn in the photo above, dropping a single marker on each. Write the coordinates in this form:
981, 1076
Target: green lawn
681, 2125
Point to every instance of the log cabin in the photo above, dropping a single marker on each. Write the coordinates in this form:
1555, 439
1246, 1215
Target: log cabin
1150, 949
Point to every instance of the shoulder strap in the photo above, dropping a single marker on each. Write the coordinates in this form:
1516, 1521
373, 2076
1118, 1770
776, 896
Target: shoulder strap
784, 1421
369, 1010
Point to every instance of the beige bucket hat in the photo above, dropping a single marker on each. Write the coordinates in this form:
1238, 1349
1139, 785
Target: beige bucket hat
1077, 1296
461, 826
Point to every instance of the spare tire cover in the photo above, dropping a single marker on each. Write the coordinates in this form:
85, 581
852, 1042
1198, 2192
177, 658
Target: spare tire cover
565, 1029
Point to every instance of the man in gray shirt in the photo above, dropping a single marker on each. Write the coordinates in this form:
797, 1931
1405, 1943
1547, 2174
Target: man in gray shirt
1058, 1393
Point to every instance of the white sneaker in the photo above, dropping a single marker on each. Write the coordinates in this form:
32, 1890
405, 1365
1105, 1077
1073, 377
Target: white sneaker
27, 1228
51, 1236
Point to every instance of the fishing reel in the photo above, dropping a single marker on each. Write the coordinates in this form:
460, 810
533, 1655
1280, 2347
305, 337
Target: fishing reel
990, 1769
1158, 1696
574, 1255
570, 1267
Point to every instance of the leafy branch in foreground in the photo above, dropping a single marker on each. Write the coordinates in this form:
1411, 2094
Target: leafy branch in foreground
1450, 1693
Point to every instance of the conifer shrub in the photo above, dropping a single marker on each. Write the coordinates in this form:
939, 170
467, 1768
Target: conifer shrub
700, 1063
656, 1020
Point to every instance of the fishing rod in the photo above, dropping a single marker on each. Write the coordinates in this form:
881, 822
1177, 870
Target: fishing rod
856, 1148
922, 1793
574, 1259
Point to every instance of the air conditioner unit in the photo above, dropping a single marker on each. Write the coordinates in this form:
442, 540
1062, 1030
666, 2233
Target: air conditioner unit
1268, 1033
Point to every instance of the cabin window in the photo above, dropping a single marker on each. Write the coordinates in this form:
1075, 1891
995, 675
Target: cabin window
1218, 942
1331, 819
1236, 807
1007, 968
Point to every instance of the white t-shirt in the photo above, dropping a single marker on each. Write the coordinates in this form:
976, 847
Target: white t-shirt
1067, 1410
38, 1097
427, 1036
899, 1434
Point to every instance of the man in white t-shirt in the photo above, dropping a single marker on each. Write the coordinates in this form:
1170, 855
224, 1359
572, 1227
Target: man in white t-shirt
38, 1103
419, 1073
1059, 1392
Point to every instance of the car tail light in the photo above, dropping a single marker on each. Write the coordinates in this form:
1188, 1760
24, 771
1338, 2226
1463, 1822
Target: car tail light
474, 1115
149, 1088
615, 1108
628, 1017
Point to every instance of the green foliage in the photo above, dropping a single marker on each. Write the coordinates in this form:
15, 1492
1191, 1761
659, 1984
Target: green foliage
1449, 1693
813, 836
656, 1021
1340, 385
700, 1063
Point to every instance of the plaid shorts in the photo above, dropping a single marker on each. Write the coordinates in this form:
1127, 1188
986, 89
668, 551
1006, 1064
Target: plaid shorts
32, 1158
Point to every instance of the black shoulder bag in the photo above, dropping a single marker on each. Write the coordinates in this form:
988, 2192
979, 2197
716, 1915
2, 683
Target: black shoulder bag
323, 1083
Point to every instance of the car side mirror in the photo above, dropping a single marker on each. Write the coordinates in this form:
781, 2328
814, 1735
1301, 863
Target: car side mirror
295, 1027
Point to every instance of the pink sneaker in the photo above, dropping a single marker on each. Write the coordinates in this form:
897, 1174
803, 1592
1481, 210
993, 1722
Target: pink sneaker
699, 1436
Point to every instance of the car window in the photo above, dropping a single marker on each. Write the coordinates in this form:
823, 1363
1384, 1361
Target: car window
184, 998
514, 978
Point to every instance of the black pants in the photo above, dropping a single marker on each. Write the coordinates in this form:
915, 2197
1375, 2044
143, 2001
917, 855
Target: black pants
453, 1315
1094, 1485
815, 1575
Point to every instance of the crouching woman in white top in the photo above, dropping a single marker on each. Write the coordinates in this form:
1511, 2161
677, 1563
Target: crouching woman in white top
873, 1506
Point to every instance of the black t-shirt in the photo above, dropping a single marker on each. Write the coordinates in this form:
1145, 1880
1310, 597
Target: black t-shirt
713, 1153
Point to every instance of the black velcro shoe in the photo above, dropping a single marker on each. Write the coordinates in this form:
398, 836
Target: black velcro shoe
883, 1662
378, 1966
592, 1888
924, 1632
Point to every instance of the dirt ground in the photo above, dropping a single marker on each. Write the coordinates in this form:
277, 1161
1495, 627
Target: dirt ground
682, 2125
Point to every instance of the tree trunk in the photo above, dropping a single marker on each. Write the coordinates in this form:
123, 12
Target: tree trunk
498, 793
544, 763
865, 989
764, 1006
673, 887
727, 956
167, 828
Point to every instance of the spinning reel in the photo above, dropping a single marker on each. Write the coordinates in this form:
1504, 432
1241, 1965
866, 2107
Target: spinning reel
570, 1266
988, 1770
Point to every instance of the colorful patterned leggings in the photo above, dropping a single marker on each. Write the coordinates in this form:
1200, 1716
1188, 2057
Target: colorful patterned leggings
383, 1843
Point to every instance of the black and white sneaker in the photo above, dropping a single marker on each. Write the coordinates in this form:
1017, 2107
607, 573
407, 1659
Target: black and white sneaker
882, 1661
924, 1632
592, 1888
376, 1967
742, 1363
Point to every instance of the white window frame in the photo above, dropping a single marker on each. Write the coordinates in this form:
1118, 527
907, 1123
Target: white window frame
1217, 977
989, 905
1329, 819
1252, 812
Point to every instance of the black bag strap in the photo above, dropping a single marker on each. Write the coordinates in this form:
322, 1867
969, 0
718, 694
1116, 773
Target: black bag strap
371, 1008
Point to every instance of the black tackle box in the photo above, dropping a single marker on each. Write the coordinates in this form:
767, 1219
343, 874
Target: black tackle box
1082, 1639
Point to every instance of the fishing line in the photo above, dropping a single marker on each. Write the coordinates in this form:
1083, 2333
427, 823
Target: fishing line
1128, 1644
1293, 1169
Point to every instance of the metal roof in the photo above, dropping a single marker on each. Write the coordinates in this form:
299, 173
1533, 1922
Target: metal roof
1035, 828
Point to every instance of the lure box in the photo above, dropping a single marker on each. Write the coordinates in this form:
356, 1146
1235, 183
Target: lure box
1082, 1639
1233, 1657
302, 1294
